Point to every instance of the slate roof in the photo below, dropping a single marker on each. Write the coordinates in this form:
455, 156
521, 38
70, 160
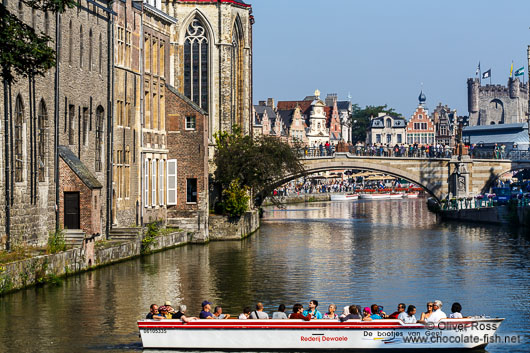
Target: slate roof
260, 109
502, 133
343, 105
397, 122
79, 168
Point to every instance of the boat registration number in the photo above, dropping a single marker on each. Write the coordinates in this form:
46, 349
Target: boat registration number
155, 330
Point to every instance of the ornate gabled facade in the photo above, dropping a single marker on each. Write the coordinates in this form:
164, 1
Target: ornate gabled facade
420, 128
211, 56
446, 121
344, 110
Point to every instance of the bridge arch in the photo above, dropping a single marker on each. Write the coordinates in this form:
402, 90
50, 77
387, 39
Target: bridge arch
515, 166
324, 164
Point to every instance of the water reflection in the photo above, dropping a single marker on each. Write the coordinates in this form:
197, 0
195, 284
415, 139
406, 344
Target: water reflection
361, 252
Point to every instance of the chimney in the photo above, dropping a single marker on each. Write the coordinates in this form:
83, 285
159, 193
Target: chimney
270, 102
262, 103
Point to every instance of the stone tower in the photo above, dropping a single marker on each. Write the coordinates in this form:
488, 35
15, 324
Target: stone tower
497, 104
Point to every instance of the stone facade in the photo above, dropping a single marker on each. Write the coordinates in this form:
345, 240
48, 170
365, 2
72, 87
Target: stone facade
446, 122
83, 74
387, 129
187, 126
222, 31
127, 113
497, 104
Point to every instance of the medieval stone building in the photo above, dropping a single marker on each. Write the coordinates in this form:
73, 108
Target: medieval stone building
496, 104
78, 127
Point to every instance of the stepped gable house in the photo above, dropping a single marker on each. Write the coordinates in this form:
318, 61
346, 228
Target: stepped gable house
420, 128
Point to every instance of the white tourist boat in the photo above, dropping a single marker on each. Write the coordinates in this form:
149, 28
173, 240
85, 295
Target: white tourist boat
344, 197
317, 334
413, 195
381, 196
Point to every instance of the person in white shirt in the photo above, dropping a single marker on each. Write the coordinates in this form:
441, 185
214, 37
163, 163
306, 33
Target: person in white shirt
245, 314
456, 309
259, 313
408, 317
438, 314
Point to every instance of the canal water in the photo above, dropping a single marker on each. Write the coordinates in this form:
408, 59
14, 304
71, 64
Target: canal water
382, 252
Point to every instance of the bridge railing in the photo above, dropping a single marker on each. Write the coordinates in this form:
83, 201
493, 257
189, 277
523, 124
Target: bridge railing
518, 155
315, 152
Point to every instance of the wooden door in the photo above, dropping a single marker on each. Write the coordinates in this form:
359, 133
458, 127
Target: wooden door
71, 210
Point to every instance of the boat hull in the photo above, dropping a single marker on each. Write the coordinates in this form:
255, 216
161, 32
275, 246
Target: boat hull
344, 197
315, 335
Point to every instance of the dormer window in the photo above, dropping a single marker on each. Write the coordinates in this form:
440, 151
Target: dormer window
388, 122
420, 116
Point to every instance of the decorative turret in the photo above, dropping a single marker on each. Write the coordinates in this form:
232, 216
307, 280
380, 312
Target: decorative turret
422, 99
513, 86
473, 86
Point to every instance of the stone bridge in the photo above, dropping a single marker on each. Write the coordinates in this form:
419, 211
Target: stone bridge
438, 176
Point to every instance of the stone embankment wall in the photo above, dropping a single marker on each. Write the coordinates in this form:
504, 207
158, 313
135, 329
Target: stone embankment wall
221, 228
301, 198
493, 215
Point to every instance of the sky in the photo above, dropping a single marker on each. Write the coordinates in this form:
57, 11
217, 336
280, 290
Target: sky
381, 51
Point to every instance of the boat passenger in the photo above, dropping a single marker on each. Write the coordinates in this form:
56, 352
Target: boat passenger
154, 314
367, 316
218, 313
345, 312
331, 315
408, 317
170, 309
179, 315
280, 314
427, 313
164, 312
375, 312
315, 314
353, 315
456, 308
245, 314
205, 313
437, 314
259, 313
400, 309
297, 313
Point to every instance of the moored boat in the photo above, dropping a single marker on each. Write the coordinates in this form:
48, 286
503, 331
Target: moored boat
317, 334
344, 197
375, 196
413, 195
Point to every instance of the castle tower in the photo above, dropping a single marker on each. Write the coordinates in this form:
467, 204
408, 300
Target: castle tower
473, 87
513, 85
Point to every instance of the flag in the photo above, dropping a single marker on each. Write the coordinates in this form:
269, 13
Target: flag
511, 70
486, 74
519, 72
478, 69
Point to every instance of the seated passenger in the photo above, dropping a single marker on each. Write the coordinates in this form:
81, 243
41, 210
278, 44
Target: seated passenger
408, 317
218, 313
456, 309
259, 313
297, 313
375, 312
353, 315
245, 314
345, 312
367, 316
170, 309
400, 309
164, 312
426, 314
437, 314
280, 314
179, 315
330, 315
205, 313
154, 314
315, 314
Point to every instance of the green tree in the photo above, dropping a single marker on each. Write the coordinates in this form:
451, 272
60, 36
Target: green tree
361, 119
257, 163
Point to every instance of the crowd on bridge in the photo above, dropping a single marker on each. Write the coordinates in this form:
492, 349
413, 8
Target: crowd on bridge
406, 314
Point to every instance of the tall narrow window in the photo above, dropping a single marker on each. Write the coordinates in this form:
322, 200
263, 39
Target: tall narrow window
99, 138
161, 178
147, 107
162, 58
127, 167
118, 173
236, 76
154, 59
128, 45
20, 11
153, 179
100, 63
85, 126
33, 19
172, 182
41, 140
46, 23
19, 126
155, 111
90, 50
147, 54
70, 43
71, 124
120, 45
191, 190
196, 64
81, 44
147, 182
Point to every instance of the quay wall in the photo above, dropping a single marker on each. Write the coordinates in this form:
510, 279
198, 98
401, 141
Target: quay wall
300, 198
492, 215
222, 228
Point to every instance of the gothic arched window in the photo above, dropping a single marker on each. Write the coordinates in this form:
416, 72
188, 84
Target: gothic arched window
100, 54
19, 125
70, 43
99, 137
42, 117
90, 50
236, 75
81, 44
196, 64
46, 23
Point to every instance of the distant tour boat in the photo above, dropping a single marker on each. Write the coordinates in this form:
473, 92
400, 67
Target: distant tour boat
344, 197
381, 196
413, 195
301, 335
